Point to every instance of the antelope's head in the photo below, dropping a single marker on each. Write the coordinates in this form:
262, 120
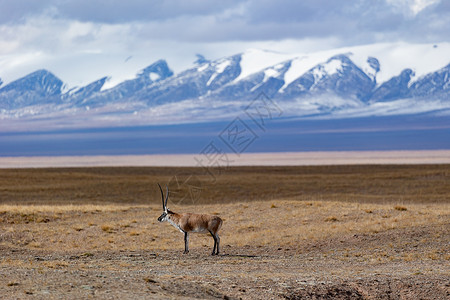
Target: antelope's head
164, 216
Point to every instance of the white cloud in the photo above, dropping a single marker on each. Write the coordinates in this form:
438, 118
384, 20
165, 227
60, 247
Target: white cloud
412, 7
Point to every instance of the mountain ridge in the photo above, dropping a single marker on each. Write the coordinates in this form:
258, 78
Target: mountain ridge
303, 86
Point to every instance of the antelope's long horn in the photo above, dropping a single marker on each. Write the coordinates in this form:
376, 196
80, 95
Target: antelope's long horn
167, 195
162, 197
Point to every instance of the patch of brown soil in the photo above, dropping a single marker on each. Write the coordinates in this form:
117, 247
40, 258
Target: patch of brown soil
374, 288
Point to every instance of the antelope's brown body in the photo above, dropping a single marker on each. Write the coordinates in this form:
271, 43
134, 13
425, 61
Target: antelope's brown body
188, 222
197, 222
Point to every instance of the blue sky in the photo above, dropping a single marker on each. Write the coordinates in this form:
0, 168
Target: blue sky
73, 37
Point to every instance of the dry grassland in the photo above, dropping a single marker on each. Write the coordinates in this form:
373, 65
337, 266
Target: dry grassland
281, 223
342, 232
351, 183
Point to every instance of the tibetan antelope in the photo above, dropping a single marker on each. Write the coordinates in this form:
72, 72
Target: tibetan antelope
187, 222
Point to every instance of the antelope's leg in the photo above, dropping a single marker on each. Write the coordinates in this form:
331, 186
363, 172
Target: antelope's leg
218, 242
215, 243
186, 242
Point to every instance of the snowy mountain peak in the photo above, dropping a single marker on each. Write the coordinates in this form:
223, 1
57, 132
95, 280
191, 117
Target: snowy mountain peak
38, 87
200, 60
40, 81
156, 71
255, 60
437, 83
332, 66
319, 83
219, 68
395, 88
372, 68
79, 94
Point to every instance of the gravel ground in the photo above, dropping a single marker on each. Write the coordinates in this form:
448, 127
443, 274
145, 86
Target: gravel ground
368, 266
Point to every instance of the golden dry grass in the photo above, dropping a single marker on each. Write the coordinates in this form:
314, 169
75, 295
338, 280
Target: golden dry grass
257, 224
101, 208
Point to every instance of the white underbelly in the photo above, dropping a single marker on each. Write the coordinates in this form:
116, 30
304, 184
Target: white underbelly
200, 230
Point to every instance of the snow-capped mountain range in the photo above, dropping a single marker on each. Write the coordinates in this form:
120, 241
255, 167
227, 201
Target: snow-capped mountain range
373, 80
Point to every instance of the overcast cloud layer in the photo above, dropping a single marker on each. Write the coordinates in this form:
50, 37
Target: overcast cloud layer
76, 33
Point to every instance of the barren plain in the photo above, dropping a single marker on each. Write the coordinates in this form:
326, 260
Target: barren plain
313, 158
290, 232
